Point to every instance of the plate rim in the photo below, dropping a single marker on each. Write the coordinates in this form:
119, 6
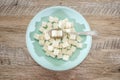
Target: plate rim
35, 57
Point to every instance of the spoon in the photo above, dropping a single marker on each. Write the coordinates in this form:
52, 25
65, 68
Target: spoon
90, 33
58, 33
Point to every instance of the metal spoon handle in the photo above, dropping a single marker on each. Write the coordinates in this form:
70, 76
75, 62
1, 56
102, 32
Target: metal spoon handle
90, 33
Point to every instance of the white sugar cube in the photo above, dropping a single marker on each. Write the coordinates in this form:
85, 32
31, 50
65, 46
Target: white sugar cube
49, 53
36, 36
41, 37
71, 41
41, 29
53, 33
66, 57
41, 42
68, 25
45, 48
60, 45
49, 24
69, 52
67, 30
44, 24
55, 44
51, 19
60, 33
64, 39
69, 47
75, 43
56, 51
72, 36
73, 30
59, 56
52, 55
55, 25
79, 45
65, 44
50, 48
61, 24
47, 43
51, 40
56, 33
73, 48
64, 50
47, 36
79, 39
58, 40
55, 19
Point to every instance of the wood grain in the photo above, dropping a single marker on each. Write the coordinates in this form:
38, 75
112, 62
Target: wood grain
30, 7
103, 61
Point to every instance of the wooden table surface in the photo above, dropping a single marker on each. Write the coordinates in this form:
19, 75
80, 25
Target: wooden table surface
103, 61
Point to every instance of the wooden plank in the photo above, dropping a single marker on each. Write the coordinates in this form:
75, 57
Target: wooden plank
48, 2
85, 71
25, 7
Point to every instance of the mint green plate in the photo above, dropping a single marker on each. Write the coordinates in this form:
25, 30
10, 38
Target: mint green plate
35, 49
